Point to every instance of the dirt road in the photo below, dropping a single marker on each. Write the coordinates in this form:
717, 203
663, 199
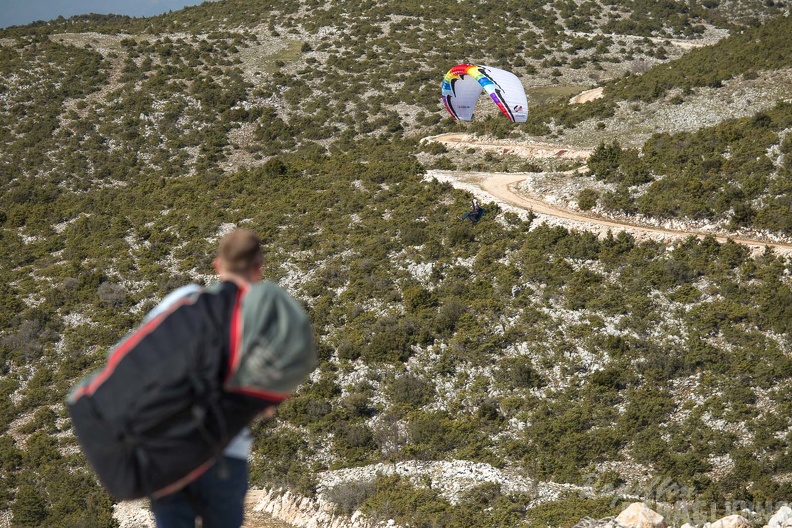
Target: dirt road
588, 95
504, 188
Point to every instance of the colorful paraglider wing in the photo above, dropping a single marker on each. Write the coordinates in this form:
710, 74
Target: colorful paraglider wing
463, 83
460, 90
508, 93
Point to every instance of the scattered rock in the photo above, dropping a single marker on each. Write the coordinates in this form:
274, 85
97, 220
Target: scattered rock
639, 515
732, 521
782, 518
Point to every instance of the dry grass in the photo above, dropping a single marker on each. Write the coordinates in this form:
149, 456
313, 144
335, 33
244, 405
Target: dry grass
264, 56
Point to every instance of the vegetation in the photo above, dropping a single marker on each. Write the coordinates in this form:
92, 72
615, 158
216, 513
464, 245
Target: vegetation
127, 145
737, 172
744, 53
485, 505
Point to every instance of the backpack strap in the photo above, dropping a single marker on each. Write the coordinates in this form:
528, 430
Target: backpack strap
236, 331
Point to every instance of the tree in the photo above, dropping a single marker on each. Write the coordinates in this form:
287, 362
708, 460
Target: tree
30, 507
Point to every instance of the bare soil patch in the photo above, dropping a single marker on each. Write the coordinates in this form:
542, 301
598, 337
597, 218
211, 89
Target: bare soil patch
460, 141
588, 95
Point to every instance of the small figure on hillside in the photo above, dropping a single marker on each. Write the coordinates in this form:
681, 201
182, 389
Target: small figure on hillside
476, 211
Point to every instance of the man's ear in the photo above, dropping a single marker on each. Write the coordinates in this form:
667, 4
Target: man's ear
216, 264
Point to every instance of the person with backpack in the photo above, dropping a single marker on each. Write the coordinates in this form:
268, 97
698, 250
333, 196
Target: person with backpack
475, 213
218, 495
213, 359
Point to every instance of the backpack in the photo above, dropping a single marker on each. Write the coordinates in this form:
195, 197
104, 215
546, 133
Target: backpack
178, 388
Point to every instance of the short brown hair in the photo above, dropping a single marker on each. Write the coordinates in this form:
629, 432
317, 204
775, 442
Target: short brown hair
240, 251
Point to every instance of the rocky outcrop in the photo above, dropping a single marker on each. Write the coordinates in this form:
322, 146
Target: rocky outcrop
306, 512
782, 518
302, 512
639, 515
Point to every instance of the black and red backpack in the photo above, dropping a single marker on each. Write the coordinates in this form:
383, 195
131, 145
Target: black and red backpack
179, 387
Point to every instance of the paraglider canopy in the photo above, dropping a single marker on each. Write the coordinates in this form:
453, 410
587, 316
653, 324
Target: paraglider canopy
463, 84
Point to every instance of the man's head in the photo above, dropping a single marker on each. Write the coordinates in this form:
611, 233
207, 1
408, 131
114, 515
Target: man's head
240, 254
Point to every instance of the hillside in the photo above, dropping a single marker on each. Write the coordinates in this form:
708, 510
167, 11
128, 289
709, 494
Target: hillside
573, 370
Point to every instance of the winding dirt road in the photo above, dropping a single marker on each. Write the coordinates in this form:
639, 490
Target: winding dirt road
504, 188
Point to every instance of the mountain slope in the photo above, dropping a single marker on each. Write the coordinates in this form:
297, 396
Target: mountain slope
128, 146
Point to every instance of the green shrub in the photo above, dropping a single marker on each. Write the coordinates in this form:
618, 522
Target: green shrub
394, 498
280, 459
350, 496
11, 457
569, 510
30, 507
411, 390
518, 373
587, 199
